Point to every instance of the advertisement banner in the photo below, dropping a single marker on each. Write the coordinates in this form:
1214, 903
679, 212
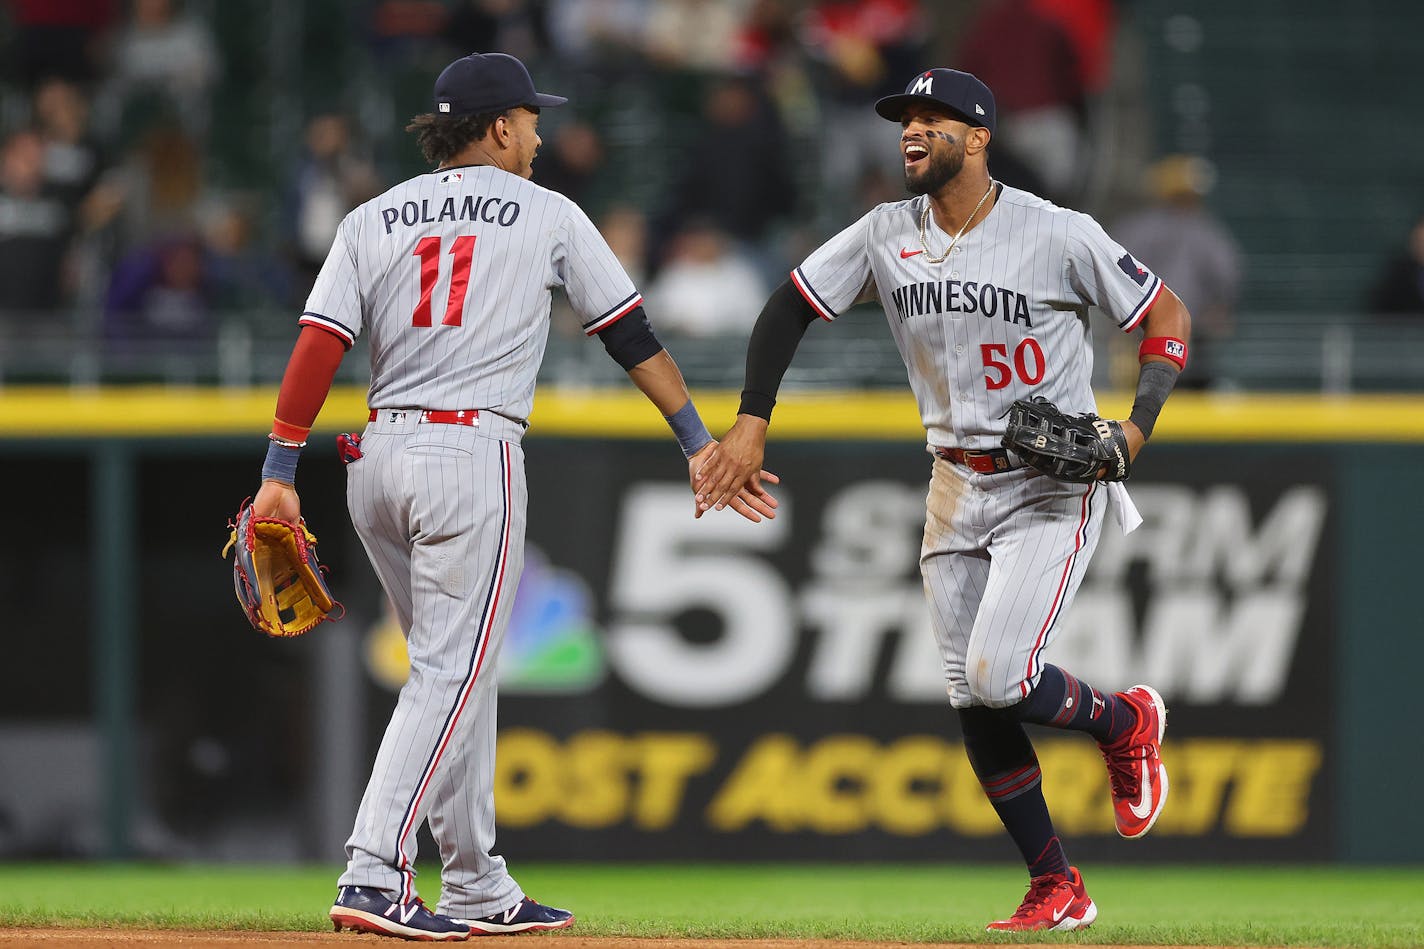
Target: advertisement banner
704, 689
712, 688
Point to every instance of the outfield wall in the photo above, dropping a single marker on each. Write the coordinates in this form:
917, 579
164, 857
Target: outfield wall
681, 688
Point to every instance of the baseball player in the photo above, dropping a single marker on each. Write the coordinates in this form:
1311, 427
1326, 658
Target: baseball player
987, 291
449, 275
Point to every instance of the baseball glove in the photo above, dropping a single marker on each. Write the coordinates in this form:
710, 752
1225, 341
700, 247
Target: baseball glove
1067, 447
278, 580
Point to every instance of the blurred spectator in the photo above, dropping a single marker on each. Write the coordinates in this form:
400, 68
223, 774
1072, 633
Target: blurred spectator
865, 48
517, 27
1399, 289
159, 52
160, 291
696, 35
154, 192
333, 178
706, 288
72, 157
1193, 253
594, 33
767, 32
1030, 62
570, 163
767, 47
1090, 26
56, 38
625, 228
405, 30
35, 228
243, 273
736, 170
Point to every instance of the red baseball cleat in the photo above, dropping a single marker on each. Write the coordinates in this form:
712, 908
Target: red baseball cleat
1055, 901
1135, 771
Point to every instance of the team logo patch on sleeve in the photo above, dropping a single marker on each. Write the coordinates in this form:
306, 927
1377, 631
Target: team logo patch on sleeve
1133, 269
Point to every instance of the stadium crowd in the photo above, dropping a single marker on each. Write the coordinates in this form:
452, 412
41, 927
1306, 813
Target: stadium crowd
171, 167
119, 208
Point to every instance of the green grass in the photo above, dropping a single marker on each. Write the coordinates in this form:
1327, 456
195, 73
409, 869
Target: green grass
1217, 906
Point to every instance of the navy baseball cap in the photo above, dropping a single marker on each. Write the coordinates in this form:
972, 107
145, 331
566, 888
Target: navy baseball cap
960, 92
487, 82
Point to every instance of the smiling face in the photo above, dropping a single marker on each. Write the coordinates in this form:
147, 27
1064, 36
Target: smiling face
933, 143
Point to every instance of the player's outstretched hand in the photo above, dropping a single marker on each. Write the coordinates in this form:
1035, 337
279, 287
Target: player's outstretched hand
275, 499
752, 501
733, 467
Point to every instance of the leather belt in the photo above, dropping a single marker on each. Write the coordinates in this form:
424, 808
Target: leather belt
984, 462
469, 417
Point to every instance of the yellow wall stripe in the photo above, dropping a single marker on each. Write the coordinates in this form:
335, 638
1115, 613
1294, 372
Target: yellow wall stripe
62, 412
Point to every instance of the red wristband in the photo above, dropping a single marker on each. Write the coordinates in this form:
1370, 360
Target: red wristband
288, 432
1174, 349
306, 383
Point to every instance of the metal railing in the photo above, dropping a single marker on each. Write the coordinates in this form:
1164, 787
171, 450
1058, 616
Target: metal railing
1333, 353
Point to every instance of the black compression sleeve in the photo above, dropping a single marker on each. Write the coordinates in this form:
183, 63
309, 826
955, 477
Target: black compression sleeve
1154, 384
777, 333
630, 340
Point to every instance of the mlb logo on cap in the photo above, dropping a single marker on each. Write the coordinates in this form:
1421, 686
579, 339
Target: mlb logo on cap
959, 92
487, 82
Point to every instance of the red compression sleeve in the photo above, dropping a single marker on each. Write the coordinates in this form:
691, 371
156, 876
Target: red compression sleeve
307, 381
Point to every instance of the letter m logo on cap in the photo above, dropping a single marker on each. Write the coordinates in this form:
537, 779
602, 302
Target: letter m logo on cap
923, 86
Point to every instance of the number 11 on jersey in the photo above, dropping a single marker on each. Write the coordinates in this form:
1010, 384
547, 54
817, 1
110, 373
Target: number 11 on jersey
462, 249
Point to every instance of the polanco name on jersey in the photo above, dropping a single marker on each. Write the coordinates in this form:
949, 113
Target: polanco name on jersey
954, 296
471, 208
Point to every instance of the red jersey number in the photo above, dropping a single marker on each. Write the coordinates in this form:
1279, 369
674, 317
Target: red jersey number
1028, 363
462, 249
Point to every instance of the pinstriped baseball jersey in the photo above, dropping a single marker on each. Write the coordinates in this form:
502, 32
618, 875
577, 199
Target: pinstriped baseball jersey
450, 274
1004, 317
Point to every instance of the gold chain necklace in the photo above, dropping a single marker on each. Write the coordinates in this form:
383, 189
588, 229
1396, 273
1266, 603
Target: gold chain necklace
925, 218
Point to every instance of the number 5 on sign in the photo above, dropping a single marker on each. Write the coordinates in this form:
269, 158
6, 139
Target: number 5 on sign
428, 250
666, 565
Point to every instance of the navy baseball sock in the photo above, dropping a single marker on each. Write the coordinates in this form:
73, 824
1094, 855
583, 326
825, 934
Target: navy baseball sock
1004, 760
1061, 700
